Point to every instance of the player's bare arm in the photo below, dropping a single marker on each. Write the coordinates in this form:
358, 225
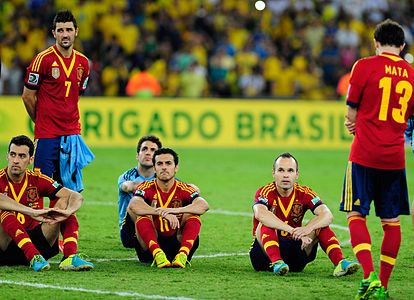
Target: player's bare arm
129, 186
7, 203
29, 99
268, 219
140, 208
322, 219
350, 120
198, 207
74, 201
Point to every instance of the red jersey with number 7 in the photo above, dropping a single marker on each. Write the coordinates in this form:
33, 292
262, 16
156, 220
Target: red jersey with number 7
58, 81
382, 89
29, 192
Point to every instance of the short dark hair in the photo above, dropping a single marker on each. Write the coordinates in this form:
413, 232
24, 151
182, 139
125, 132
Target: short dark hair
22, 140
389, 33
64, 16
165, 151
151, 138
286, 155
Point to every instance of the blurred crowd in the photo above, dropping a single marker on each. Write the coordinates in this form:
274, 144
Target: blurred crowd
203, 48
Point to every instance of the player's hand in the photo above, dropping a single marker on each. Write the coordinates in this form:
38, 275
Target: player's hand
300, 232
306, 241
173, 220
163, 211
41, 215
350, 126
58, 215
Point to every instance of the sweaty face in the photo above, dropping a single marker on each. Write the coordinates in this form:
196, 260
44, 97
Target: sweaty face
165, 167
285, 173
64, 34
145, 154
18, 159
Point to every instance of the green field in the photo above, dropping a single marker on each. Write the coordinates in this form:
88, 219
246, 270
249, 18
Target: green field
221, 268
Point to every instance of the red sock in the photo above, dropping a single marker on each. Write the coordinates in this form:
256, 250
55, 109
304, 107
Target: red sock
330, 244
270, 242
361, 243
191, 231
146, 231
18, 234
69, 229
389, 250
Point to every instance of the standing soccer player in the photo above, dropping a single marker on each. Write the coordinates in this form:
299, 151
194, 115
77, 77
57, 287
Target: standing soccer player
380, 100
167, 213
53, 82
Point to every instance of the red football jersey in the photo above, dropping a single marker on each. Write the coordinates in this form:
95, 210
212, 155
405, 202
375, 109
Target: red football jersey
29, 192
58, 81
181, 194
381, 87
291, 209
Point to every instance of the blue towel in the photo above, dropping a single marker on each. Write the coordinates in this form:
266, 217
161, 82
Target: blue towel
74, 156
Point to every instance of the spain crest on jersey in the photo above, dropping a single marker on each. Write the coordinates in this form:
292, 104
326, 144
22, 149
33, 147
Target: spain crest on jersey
79, 72
55, 73
32, 194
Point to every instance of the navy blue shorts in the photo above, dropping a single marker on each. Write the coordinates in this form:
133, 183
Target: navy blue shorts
291, 253
47, 157
387, 188
13, 255
127, 233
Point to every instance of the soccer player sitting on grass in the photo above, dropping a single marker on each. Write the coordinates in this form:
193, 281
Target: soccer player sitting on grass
281, 243
23, 239
168, 215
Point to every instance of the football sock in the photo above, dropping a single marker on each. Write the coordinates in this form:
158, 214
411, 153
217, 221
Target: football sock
146, 231
361, 243
18, 234
389, 250
330, 244
69, 229
190, 232
270, 242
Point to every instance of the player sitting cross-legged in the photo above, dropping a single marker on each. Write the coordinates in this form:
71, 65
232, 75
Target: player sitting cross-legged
281, 243
167, 213
23, 239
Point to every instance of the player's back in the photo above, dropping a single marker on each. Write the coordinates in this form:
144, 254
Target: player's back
382, 86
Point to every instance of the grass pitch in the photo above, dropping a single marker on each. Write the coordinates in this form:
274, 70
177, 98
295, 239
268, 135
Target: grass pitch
221, 268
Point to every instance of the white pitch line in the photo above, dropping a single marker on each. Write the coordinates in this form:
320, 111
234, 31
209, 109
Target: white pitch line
101, 292
212, 211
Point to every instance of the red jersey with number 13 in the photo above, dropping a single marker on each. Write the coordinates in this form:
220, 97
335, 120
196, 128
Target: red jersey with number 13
58, 81
382, 89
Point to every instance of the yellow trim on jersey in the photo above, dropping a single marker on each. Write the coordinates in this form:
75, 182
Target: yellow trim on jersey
392, 57
361, 247
72, 63
23, 242
169, 197
195, 217
80, 54
286, 211
38, 60
388, 259
23, 189
334, 246
5, 214
269, 244
70, 239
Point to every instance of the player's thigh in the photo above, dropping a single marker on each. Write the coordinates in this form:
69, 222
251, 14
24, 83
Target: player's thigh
5, 239
50, 232
293, 255
358, 189
258, 258
391, 199
47, 155
128, 233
